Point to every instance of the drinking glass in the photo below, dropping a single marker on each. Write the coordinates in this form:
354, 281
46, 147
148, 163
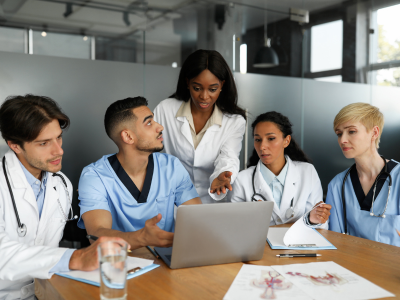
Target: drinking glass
112, 259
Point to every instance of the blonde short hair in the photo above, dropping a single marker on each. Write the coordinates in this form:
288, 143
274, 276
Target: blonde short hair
364, 113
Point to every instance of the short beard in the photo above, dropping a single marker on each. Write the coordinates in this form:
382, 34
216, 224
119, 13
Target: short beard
150, 150
38, 164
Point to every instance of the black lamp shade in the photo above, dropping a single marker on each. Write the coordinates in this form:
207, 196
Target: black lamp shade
266, 57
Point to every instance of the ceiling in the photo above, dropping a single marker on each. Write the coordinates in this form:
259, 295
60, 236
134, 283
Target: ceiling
86, 16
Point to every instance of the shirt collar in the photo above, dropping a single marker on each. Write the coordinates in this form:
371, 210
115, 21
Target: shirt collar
32, 179
185, 111
269, 176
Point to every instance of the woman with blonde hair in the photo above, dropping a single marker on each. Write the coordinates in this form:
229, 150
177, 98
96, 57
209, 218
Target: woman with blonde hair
365, 198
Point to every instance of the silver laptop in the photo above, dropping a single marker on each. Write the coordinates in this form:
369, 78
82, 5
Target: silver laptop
210, 234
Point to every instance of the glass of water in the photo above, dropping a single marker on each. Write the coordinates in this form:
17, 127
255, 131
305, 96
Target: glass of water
112, 259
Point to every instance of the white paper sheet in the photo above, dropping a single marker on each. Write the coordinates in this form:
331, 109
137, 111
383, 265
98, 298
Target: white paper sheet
330, 281
262, 282
298, 233
132, 262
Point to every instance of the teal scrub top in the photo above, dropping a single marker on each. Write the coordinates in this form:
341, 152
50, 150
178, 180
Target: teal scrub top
167, 183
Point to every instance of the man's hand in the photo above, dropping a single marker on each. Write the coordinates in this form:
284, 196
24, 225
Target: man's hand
86, 259
152, 235
320, 214
221, 183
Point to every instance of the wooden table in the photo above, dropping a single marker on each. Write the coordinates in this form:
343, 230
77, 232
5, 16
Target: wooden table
376, 262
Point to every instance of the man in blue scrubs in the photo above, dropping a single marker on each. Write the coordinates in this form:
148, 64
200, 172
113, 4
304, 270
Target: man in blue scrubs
132, 194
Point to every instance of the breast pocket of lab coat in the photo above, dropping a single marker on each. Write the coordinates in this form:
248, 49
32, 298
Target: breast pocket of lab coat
165, 206
54, 231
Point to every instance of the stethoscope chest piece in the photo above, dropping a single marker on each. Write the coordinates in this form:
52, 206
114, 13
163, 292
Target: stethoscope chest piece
289, 213
22, 230
373, 215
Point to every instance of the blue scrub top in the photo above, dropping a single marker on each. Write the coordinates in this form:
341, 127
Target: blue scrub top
101, 188
359, 222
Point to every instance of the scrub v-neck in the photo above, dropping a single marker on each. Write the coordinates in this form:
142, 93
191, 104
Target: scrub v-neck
140, 197
366, 201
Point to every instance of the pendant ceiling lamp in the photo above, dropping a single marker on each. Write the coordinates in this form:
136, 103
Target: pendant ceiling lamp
266, 56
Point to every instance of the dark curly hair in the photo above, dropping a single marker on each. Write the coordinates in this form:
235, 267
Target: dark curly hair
284, 125
211, 60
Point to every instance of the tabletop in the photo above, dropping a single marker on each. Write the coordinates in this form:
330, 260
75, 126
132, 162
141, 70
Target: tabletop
376, 262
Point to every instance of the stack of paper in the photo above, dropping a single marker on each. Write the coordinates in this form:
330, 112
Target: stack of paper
93, 277
319, 281
297, 234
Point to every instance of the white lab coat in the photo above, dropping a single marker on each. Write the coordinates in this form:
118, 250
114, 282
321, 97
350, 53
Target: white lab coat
217, 152
302, 184
24, 258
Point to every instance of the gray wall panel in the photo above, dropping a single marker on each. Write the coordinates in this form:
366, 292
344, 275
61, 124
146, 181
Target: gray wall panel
388, 101
262, 93
84, 89
322, 101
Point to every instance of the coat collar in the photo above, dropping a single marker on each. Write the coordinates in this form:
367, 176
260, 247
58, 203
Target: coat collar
289, 189
182, 116
16, 175
18, 181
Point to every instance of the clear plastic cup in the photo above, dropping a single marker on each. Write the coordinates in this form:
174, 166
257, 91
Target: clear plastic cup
112, 260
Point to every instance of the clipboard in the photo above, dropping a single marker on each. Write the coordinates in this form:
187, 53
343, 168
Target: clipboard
276, 236
93, 277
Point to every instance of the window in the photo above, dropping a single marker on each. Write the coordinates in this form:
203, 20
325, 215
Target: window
336, 78
12, 39
58, 44
326, 46
325, 50
385, 48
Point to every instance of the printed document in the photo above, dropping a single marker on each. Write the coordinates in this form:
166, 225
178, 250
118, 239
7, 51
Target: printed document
263, 282
330, 281
298, 234
318, 281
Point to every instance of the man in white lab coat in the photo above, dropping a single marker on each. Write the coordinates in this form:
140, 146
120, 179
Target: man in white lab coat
35, 198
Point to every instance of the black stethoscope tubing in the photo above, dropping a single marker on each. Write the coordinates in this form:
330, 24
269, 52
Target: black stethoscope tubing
21, 226
22, 229
375, 183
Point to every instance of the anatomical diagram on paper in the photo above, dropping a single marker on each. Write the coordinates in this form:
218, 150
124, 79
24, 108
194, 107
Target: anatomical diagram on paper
319, 280
328, 280
262, 282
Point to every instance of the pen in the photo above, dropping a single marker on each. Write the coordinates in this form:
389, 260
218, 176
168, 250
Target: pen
94, 238
299, 255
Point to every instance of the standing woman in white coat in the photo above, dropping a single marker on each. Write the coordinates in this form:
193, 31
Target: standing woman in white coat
281, 172
203, 124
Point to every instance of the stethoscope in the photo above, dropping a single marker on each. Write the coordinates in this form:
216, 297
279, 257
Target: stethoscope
22, 227
372, 214
290, 211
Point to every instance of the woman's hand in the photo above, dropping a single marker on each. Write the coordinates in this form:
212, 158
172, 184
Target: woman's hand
221, 183
320, 214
